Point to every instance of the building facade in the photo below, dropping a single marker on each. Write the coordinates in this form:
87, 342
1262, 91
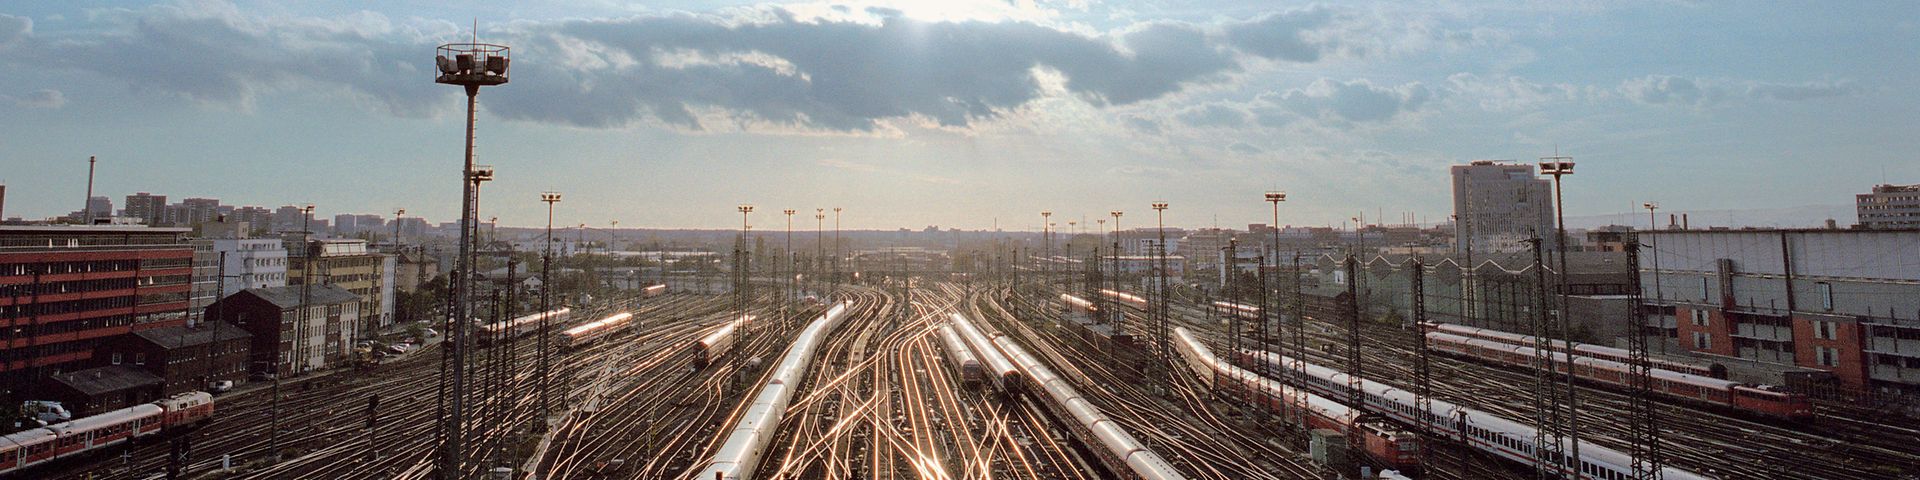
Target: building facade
1498, 206
349, 264
1845, 302
282, 339
66, 289
1889, 206
185, 358
147, 207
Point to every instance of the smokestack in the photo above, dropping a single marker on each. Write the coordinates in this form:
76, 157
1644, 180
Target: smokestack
86, 207
1683, 221
1673, 221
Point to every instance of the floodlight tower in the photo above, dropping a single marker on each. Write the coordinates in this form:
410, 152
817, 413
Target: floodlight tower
471, 66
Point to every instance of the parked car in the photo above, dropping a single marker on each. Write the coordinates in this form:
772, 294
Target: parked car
221, 386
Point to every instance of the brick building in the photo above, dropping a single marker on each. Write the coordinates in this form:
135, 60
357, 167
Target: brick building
185, 358
100, 389
64, 290
271, 316
1846, 302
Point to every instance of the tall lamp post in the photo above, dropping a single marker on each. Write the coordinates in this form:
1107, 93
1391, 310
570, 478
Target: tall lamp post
397, 214
836, 252
789, 274
819, 245
546, 305
1658, 296
1118, 316
740, 261
1274, 197
1160, 322
1559, 166
1046, 242
471, 66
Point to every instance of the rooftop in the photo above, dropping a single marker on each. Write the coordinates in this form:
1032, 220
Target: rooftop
174, 337
102, 380
289, 296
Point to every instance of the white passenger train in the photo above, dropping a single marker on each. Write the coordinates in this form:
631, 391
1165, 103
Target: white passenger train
1123, 455
742, 452
1484, 431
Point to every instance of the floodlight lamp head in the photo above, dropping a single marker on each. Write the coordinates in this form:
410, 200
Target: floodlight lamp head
1276, 196
446, 64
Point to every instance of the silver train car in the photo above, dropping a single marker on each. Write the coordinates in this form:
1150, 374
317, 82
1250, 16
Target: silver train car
740, 455
1001, 372
717, 344
1478, 429
589, 332
1124, 454
972, 375
521, 326
1131, 300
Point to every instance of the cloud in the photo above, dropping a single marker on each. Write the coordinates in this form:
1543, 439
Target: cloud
1142, 125
14, 28
1804, 91
48, 98
1704, 92
1509, 93
1283, 36
1244, 149
844, 76
1351, 101
1214, 115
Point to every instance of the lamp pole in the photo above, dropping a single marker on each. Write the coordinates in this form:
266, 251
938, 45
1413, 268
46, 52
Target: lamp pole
1559, 166
1658, 296
546, 305
1273, 197
1046, 242
1118, 316
740, 262
1160, 323
836, 252
471, 66
397, 214
789, 274
819, 244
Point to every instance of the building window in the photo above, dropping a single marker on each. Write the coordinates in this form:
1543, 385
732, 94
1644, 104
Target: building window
1703, 289
140, 358
1826, 357
1826, 294
1701, 341
116, 358
1700, 317
1825, 330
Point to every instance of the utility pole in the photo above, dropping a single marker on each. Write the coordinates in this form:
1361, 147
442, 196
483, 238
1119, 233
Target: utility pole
1645, 422
1549, 453
1268, 311
1161, 311
788, 300
1422, 365
836, 253
1119, 317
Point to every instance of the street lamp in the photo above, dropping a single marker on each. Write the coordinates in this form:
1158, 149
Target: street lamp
1160, 323
740, 262
836, 251
789, 274
1559, 166
819, 245
546, 304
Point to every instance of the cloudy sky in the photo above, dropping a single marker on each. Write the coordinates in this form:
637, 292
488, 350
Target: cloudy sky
956, 113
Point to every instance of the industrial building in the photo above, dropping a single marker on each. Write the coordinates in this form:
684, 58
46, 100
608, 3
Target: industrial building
1845, 302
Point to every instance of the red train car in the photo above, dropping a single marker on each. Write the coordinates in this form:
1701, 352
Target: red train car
1762, 400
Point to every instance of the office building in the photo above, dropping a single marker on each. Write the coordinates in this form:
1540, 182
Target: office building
1498, 206
1845, 302
147, 207
65, 289
1889, 206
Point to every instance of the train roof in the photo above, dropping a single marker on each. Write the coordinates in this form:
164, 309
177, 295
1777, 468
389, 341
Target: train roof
1659, 373
597, 324
105, 419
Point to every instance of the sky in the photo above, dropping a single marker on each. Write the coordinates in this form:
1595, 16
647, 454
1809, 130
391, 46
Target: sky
957, 113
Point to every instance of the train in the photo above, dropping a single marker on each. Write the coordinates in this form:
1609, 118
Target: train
653, 290
1077, 303
167, 416
1005, 377
1247, 312
586, 333
521, 326
1714, 370
1475, 428
1385, 443
740, 455
1123, 455
717, 344
1129, 299
972, 375
1759, 400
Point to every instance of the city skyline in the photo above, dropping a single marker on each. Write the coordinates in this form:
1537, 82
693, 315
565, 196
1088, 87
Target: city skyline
876, 107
